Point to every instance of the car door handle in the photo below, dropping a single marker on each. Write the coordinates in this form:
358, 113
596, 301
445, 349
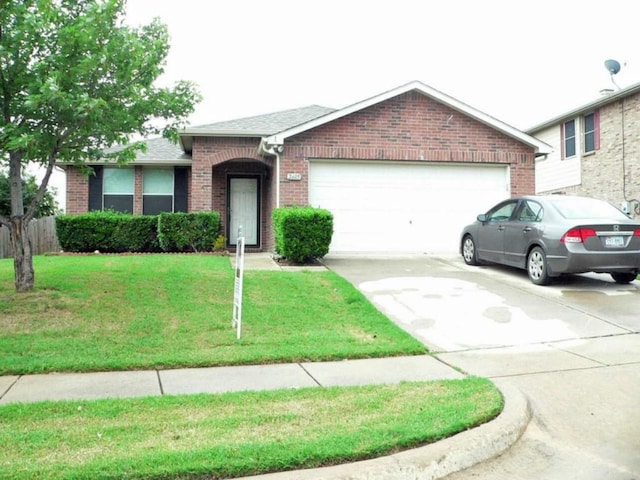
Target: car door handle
500, 228
526, 229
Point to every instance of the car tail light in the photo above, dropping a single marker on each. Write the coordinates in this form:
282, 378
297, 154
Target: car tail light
578, 235
636, 233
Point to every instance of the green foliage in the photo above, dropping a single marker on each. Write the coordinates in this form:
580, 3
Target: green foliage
302, 233
47, 206
220, 243
113, 232
75, 80
188, 232
107, 232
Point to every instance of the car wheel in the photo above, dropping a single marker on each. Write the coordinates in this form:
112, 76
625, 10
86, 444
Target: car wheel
624, 277
537, 267
469, 251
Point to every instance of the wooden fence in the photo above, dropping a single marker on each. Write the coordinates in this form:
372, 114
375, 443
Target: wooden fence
43, 237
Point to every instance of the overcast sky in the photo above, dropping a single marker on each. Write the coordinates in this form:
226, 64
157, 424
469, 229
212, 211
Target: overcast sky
521, 62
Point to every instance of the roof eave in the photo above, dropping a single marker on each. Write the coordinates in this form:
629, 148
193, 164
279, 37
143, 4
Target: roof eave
187, 136
194, 132
186, 162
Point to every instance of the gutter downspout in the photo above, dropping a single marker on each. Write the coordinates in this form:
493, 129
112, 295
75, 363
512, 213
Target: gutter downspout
276, 150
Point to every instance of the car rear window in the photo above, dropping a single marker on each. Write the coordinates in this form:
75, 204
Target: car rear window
587, 208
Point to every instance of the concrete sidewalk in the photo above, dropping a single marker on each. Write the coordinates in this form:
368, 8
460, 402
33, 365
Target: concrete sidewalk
89, 386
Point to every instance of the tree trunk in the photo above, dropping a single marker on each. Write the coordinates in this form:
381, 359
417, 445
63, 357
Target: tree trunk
18, 224
22, 255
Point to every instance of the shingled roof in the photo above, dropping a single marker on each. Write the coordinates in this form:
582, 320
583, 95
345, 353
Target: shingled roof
261, 125
256, 126
160, 151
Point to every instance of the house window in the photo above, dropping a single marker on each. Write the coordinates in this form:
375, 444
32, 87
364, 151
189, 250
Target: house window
158, 185
117, 189
591, 132
164, 189
569, 134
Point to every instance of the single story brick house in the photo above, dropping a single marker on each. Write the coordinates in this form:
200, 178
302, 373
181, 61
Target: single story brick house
401, 172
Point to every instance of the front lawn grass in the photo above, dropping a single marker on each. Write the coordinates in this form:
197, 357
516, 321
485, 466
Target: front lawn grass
234, 434
123, 312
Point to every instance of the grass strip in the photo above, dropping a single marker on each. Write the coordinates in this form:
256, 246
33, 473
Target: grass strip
235, 434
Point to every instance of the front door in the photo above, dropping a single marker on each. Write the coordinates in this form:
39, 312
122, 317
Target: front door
244, 210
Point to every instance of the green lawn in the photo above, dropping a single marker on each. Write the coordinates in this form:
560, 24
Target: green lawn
234, 434
121, 312
109, 312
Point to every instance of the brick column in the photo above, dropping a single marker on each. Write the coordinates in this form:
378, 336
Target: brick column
137, 190
77, 191
201, 177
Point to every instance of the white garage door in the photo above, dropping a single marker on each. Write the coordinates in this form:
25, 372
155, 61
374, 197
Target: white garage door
403, 207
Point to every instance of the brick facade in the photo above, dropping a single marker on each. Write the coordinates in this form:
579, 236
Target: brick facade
77, 191
613, 171
410, 127
407, 127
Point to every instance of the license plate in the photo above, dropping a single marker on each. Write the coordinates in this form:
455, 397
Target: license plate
614, 242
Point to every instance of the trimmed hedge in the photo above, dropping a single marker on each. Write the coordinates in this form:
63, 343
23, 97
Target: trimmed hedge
188, 232
112, 232
302, 233
108, 232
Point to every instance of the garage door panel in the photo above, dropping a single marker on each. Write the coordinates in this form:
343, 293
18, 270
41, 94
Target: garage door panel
403, 207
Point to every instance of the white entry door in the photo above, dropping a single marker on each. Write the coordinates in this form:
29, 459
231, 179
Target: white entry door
243, 209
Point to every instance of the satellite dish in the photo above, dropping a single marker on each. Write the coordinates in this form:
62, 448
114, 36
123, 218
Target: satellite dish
613, 66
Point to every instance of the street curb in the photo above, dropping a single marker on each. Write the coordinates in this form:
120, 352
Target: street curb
436, 460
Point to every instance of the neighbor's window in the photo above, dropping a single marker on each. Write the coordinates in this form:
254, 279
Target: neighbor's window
569, 135
591, 128
118, 188
157, 190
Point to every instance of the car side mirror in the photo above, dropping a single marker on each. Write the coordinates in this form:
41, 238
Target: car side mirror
482, 217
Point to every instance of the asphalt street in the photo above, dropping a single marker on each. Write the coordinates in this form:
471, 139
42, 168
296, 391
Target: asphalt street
573, 349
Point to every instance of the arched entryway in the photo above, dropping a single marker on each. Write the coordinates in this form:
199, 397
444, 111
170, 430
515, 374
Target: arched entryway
241, 193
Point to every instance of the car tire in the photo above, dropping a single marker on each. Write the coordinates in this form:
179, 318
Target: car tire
537, 267
469, 254
623, 277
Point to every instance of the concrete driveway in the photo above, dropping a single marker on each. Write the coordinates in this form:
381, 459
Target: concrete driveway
573, 348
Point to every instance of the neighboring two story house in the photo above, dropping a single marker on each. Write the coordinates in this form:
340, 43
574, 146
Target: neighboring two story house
596, 150
403, 171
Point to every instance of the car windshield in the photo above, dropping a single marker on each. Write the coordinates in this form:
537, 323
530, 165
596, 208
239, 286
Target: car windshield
575, 208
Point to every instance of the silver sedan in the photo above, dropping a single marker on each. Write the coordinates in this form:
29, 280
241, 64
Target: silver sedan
552, 235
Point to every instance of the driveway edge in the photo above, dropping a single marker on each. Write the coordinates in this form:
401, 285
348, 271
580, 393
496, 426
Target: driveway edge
438, 459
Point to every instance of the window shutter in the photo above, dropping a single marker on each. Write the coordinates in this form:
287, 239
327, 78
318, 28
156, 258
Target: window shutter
596, 128
95, 189
562, 155
180, 189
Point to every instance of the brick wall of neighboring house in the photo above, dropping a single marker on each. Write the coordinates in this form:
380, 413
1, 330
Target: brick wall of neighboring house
613, 172
408, 127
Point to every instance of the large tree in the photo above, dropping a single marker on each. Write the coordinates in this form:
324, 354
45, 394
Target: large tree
74, 81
